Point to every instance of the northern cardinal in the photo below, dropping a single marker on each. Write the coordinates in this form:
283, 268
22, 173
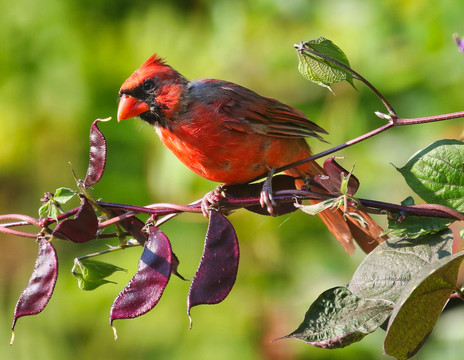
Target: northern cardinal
230, 134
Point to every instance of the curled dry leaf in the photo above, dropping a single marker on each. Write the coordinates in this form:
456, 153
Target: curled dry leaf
332, 181
97, 160
218, 267
144, 290
82, 228
39, 289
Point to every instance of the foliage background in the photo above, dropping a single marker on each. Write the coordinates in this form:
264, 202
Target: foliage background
61, 64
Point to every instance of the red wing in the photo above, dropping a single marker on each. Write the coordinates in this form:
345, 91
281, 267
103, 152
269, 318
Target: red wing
249, 112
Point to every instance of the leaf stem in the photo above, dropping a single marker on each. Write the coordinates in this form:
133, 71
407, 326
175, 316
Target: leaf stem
303, 47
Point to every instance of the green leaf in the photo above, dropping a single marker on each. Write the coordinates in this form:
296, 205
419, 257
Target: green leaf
89, 285
386, 271
415, 226
93, 273
63, 195
95, 270
338, 318
320, 70
44, 210
436, 173
419, 306
49, 209
409, 201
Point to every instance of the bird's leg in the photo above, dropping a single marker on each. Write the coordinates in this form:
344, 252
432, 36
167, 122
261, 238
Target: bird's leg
266, 199
211, 199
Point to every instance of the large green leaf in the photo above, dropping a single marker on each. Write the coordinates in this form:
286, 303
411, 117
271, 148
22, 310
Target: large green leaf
419, 306
338, 318
385, 272
436, 173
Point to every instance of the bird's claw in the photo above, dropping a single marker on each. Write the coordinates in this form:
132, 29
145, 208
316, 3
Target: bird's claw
266, 199
210, 200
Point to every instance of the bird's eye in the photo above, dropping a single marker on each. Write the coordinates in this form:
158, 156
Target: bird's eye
148, 85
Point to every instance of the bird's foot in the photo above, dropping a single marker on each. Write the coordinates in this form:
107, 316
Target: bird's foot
210, 200
266, 199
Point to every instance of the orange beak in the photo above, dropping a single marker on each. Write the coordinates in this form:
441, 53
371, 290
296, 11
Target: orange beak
129, 107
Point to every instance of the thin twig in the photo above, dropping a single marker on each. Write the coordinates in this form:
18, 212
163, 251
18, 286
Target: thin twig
30, 220
17, 233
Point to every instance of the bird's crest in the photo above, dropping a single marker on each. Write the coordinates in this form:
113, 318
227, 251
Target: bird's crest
154, 66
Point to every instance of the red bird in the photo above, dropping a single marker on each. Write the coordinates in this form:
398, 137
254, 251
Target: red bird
230, 134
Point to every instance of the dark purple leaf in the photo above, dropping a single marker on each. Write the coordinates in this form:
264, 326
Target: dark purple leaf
248, 191
332, 180
40, 287
82, 228
218, 267
97, 159
144, 290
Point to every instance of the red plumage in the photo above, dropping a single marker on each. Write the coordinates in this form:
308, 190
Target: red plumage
229, 134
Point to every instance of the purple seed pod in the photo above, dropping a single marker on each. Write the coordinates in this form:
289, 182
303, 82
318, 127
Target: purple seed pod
39, 289
332, 180
82, 228
144, 290
97, 160
218, 267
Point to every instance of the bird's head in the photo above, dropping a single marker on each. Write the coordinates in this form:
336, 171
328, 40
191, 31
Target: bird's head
149, 90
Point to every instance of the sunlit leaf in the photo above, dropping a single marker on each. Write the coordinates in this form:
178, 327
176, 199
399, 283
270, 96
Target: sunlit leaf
436, 173
63, 195
320, 70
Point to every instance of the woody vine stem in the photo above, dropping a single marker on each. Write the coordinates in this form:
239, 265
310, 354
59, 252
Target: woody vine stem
167, 211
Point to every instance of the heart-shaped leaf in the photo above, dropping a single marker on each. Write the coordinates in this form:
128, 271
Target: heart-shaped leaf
91, 274
436, 173
384, 273
339, 318
319, 70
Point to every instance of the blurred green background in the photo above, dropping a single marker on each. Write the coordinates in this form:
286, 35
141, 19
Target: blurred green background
61, 65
